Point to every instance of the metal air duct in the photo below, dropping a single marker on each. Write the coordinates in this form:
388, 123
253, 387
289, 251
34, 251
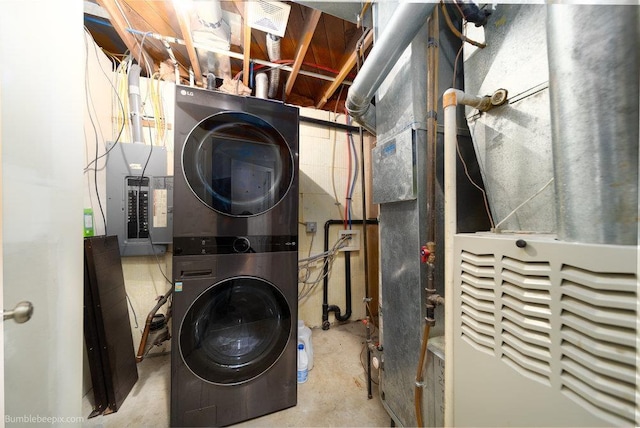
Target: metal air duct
135, 104
273, 50
594, 117
399, 32
215, 32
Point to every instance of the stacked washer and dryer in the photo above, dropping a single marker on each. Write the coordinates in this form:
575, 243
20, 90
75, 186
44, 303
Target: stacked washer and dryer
235, 258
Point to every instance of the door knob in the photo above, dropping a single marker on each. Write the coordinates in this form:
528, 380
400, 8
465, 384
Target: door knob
20, 314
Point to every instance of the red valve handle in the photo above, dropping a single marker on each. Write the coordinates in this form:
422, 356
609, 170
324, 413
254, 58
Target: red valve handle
424, 254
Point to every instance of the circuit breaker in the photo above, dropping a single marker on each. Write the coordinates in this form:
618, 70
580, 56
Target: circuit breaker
139, 198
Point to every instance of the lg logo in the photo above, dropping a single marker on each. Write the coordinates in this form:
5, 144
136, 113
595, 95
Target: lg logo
184, 92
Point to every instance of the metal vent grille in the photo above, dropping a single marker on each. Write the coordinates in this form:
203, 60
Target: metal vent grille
598, 341
268, 16
556, 321
478, 301
525, 321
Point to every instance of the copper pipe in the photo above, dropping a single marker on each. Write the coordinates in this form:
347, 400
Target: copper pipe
419, 379
147, 325
455, 31
432, 122
432, 126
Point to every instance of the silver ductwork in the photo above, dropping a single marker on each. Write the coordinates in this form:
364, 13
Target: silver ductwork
212, 31
135, 104
273, 50
262, 85
399, 32
593, 67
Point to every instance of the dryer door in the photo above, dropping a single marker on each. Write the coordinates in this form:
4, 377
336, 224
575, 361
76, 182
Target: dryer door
237, 164
235, 330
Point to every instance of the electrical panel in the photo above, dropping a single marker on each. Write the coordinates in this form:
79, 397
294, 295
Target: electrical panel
139, 198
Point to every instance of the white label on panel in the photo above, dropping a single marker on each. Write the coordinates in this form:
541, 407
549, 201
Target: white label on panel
160, 208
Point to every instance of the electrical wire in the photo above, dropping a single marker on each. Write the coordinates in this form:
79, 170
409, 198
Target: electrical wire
484, 194
135, 316
455, 66
95, 131
522, 204
305, 267
119, 99
355, 171
454, 30
337, 203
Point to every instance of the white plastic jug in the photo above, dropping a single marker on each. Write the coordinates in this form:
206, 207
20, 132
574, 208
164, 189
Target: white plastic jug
302, 364
304, 337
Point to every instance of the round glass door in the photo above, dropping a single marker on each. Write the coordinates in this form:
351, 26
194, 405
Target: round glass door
237, 164
235, 330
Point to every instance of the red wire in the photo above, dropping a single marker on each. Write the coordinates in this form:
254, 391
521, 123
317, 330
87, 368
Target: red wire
347, 201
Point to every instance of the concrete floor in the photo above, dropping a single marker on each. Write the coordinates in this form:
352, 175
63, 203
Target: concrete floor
334, 396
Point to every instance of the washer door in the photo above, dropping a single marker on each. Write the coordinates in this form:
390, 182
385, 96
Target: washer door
237, 164
235, 330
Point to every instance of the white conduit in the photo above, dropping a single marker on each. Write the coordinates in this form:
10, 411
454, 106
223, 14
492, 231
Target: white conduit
450, 100
449, 103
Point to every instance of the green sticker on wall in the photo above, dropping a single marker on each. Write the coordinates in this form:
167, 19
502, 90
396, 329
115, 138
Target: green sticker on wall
178, 286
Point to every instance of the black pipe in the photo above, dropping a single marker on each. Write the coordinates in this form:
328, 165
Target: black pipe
347, 291
329, 124
325, 282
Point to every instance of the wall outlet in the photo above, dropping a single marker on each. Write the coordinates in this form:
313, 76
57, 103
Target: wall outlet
353, 240
312, 226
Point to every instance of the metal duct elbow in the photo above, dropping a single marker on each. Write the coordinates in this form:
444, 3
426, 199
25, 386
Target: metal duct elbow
135, 102
273, 50
400, 31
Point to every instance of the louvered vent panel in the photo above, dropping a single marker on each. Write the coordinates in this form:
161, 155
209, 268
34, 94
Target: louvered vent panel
599, 340
269, 16
525, 321
478, 301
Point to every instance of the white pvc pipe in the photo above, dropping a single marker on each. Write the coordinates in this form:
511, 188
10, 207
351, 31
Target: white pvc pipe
449, 103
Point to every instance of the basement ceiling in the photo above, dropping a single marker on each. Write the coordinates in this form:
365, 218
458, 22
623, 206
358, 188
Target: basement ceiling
320, 51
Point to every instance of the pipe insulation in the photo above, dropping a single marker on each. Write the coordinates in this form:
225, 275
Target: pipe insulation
273, 50
398, 34
594, 121
135, 103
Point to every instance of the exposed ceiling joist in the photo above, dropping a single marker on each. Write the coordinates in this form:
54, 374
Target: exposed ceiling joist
120, 25
307, 35
347, 65
185, 28
246, 42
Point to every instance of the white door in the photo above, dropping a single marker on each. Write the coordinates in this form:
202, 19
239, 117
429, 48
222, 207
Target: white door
42, 141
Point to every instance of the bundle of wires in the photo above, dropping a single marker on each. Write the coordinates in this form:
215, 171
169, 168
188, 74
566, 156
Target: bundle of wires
307, 265
352, 177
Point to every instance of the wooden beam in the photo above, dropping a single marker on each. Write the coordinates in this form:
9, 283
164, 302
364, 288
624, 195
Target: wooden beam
119, 23
184, 21
246, 43
347, 64
305, 41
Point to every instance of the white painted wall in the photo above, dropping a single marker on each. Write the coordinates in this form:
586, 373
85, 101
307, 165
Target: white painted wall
323, 167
